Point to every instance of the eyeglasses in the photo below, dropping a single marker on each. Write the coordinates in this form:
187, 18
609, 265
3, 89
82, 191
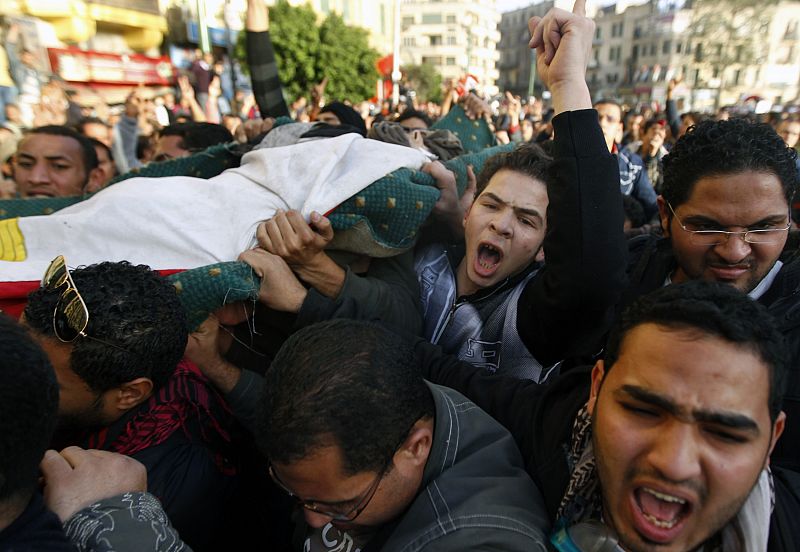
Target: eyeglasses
330, 510
716, 237
70, 317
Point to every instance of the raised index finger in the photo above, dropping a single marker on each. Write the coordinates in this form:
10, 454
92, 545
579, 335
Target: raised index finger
579, 8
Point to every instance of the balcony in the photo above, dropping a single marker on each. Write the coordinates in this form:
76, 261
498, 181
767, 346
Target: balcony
145, 6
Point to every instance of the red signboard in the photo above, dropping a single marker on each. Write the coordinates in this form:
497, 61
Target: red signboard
74, 65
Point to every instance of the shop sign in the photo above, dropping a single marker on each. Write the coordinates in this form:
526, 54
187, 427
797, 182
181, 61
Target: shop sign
76, 65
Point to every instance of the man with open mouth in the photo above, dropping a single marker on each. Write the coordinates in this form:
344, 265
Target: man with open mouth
664, 444
490, 301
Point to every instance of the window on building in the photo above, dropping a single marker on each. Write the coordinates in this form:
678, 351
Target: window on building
451, 18
451, 61
696, 77
789, 55
715, 72
431, 18
431, 60
597, 34
452, 40
666, 47
736, 76
698, 52
678, 48
635, 52
653, 49
407, 21
435, 40
409, 41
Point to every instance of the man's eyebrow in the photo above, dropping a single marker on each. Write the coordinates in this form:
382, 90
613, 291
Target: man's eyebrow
643, 395
702, 219
732, 420
727, 419
518, 210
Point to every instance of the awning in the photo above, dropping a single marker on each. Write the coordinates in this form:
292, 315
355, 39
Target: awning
90, 95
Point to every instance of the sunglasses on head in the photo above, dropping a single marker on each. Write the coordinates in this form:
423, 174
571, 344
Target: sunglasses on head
71, 316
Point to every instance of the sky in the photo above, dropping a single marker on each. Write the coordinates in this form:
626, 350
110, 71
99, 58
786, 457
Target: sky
508, 5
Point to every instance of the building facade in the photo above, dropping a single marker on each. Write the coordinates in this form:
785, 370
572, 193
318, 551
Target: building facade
723, 53
120, 26
457, 38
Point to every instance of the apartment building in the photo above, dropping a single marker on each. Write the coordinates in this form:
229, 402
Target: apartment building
455, 37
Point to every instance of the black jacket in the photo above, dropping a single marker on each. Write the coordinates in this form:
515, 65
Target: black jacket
566, 308
651, 260
541, 418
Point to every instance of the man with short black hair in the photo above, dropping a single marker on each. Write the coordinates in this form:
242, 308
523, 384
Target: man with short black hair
491, 302
105, 163
725, 217
94, 128
666, 442
651, 149
412, 119
55, 161
378, 458
115, 334
633, 177
184, 139
28, 405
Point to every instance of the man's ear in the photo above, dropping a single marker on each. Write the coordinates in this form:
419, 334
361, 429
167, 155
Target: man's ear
539, 258
132, 393
663, 215
414, 451
777, 430
95, 181
598, 373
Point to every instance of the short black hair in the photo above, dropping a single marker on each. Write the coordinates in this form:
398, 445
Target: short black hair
342, 383
98, 144
606, 101
653, 121
87, 149
710, 308
198, 136
634, 211
715, 148
527, 158
410, 113
130, 306
80, 126
28, 409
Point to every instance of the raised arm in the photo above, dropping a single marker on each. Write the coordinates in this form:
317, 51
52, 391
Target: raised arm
261, 59
564, 310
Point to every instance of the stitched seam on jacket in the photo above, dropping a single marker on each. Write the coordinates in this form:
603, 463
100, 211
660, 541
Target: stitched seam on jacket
481, 521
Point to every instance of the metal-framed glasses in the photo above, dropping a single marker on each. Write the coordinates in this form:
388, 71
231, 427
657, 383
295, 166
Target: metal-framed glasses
343, 513
70, 316
717, 237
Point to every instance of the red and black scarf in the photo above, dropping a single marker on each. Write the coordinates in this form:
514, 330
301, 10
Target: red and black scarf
187, 403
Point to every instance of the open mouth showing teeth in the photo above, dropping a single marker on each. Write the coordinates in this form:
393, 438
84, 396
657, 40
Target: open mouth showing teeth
489, 256
662, 510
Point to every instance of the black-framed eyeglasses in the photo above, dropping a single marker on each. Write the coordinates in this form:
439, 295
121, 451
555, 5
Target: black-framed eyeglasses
330, 510
717, 237
70, 316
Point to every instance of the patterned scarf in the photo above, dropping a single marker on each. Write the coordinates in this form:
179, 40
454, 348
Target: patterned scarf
582, 501
186, 402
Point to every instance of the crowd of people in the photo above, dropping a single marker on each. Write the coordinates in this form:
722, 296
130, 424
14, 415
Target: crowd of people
594, 343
